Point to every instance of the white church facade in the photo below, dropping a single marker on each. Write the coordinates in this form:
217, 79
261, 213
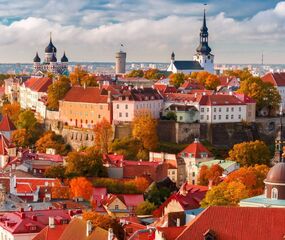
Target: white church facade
203, 60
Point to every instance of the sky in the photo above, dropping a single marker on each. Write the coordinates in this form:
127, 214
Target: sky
92, 30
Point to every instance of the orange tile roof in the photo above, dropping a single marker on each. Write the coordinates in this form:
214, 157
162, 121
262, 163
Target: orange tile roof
239, 223
86, 95
38, 84
196, 149
50, 233
25, 185
171, 233
219, 100
276, 79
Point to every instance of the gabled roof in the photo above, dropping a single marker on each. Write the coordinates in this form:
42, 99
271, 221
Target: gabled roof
140, 94
187, 65
5, 144
130, 200
38, 84
6, 124
220, 100
188, 85
163, 88
50, 233
195, 149
276, 79
239, 223
85, 95
244, 98
189, 197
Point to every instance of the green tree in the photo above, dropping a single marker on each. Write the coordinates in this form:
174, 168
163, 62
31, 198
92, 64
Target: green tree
145, 208
250, 153
87, 163
57, 91
26, 120
157, 196
177, 79
129, 147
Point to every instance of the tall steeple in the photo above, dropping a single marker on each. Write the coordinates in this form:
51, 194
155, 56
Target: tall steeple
203, 47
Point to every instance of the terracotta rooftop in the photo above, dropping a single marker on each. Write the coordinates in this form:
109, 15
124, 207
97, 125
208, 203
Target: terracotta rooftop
85, 95
219, 100
276, 79
171, 233
38, 84
6, 124
50, 233
239, 223
195, 150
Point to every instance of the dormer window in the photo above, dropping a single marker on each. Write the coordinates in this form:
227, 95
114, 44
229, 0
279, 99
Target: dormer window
210, 235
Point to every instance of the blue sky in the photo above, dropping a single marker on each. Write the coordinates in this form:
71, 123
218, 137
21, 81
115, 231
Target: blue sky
92, 30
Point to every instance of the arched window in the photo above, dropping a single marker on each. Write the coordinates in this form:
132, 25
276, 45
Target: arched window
274, 193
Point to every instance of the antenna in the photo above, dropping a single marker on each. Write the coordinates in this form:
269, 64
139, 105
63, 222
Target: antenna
262, 58
50, 33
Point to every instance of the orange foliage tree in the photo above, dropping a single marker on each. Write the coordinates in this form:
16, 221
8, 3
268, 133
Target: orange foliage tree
58, 191
103, 136
207, 174
81, 187
12, 110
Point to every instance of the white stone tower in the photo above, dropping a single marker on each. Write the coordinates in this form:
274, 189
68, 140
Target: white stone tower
121, 62
203, 52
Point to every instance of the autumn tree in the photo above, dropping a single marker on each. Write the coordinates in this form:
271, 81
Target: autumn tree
241, 74
212, 174
26, 120
103, 136
129, 147
157, 196
104, 221
225, 194
12, 110
177, 79
57, 171
252, 177
250, 153
87, 163
136, 74
144, 129
52, 140
152, 74
145, 208
81, 187
141, 183
59, 191
57, 91
21, 138
212, 82
264, 93
81, 77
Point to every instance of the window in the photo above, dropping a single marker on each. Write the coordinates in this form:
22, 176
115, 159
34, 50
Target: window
173, 172
227, 109
202, 117
101, 107
126, 106
118, 106
193, 174
220, 109
120, 115
208, 109
180, 118
274, 193
239, 116
232, 109
207, 117
220, 117
215, 109
202, 109
214, 117
99, 116
116, 207
232, 116
239, 109
127, 114
227, 116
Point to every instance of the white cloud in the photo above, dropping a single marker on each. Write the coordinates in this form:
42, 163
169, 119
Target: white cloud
145, 38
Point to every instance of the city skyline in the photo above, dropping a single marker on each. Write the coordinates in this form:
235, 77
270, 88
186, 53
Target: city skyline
239, 31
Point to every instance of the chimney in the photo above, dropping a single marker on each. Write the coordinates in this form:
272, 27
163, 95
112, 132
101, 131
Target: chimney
30, 208
51, 222
84, 85
178, 222
210, 184
21, 209
110, 234
88, 228
22, 215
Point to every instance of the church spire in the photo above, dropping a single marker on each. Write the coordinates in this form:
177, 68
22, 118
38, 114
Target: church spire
203, 47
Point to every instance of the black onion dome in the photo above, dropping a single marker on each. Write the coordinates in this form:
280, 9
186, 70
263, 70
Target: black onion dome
50, 48
53, 58
64, 58
37, 58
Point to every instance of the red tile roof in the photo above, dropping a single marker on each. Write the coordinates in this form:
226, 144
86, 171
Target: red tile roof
86, 95
140, 94
38, 84
130, 200
226, 80
189, 196
276, 79
181, 97
196, 149
6, 124
239, 223
219, 100
244, 98
170, 233
188, 85
17, 222
163, 88
50, 233
5, 144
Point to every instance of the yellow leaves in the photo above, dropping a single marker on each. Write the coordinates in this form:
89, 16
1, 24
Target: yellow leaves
144, 129
12, 110
177, 79
250, 153
80, 187
103, 136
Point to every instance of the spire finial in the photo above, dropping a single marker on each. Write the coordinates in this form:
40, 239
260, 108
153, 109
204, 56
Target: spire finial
204, 20
50, 38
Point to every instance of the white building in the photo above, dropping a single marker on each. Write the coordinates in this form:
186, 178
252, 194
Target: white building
222, 109
133, 100
32, 93
203, 60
